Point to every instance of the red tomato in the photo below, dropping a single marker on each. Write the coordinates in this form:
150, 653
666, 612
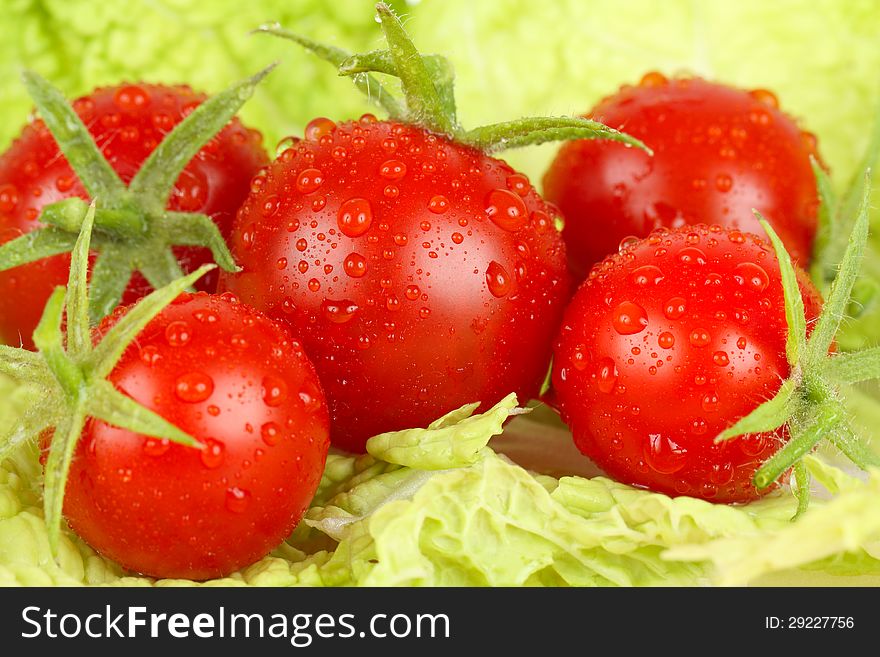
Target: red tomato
420, 274
718, 153
665, 346
240, 385
127, 122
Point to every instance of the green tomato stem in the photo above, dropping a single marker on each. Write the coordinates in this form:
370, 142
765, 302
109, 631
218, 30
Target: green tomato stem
539, 130
49, 342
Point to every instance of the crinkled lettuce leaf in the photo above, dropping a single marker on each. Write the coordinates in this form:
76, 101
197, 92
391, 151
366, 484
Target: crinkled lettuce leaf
483, 520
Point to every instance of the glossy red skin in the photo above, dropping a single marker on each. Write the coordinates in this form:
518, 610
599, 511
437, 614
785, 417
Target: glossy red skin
167, 510
127, 122
683, 377
718, 153
404, 357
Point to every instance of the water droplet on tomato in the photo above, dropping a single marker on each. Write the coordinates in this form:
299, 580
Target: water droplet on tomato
438, 204
752, 276
699, 337
156, 446
674, 308
193, 387
765, 97
274, 390
691, 255
723, 183
424, 312
629, 318
150, 355
339, 312
498, 280
507, 210
663, 454
8, 198
130, 98
752, 444
412, 292
653, 79
178, 333
710, 402
355, 265
309, 180
319, 127
191, 190
518, 184
646, 275
237, 499
301, 244
606, 375
666, 340
355, 217
392, 169
212, 453
720, 358
392, 302
270, 433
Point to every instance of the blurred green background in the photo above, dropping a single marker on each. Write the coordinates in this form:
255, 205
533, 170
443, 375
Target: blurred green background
512, 57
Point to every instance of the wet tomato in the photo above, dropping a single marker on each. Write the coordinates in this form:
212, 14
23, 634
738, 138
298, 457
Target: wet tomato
243, 388
718, 152
420, 274
127, 123
667, 344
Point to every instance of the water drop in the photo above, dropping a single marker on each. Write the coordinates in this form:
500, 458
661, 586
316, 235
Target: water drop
339, 312
691, 255
355, 265
663, 454
506, 209
178, 333
156, 446
710, 402
518, 184
212, 453
720, 358
309, 180
392, 169
646, 275
438, 204
274, 390
237, 499
193, 387
131, 98
355, 217
723, 182
700, 337
319, 127
606, 375
752, 276
666, 340
412, 292
271, 433
629, 318
498, 280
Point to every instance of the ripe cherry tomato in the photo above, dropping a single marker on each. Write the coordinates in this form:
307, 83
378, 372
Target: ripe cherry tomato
242, 386
127, 122
420, 274
666, 345
718, 153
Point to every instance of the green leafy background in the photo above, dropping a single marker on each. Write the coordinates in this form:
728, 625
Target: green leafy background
486, 521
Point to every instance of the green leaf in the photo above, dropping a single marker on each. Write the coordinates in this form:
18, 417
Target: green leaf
422, 99
108, 404
380, 61
20, 363
853, 447
369, 85
161, 270
103, 359
155, 180
853, 367
826, 223
801, 487
826, 419
796, 339
74, 140
67, 433
191, 229
538, 130
452, 441
79, 339
835, 305
769, 416
111, 274
36, 245
50, 343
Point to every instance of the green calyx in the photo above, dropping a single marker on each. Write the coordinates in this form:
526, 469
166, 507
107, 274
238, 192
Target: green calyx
427, 83
809, 403
133, 229
71, 374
